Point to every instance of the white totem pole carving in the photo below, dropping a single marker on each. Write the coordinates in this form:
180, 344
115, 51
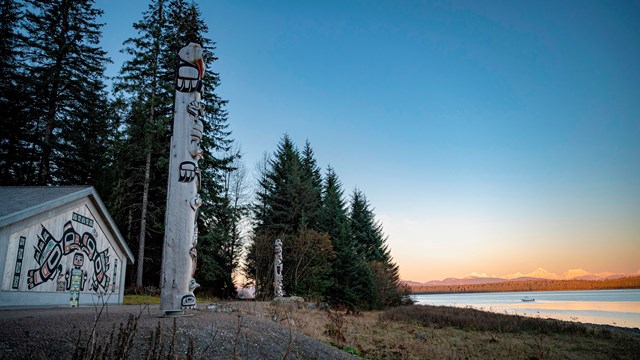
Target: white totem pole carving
277, 269
179, 256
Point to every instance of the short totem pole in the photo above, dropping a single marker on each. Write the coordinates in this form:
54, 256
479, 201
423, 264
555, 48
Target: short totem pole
179, 256
277, 269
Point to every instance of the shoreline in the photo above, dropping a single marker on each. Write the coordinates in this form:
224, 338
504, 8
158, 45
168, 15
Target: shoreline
609, 307
623, 283
630, 329
514, 291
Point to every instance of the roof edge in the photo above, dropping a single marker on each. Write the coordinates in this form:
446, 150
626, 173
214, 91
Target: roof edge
25, 213
89, 192
93, 194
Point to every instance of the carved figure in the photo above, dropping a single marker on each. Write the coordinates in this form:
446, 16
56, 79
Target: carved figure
196, 109
196, 202
277, 269
190, 68
188, 171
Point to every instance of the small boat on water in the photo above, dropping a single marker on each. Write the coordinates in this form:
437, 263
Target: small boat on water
528, 298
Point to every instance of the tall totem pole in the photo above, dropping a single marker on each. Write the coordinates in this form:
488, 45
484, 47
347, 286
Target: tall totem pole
179, 256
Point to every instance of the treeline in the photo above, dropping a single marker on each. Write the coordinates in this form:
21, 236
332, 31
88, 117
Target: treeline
62, 125
632, 282
331, 251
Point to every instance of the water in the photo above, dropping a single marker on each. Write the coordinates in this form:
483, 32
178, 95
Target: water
609, 307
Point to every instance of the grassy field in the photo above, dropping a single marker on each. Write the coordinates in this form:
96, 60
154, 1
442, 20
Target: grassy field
143, 299
439, 332
140, 299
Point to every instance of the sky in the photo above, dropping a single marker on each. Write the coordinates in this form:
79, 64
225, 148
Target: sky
490, 137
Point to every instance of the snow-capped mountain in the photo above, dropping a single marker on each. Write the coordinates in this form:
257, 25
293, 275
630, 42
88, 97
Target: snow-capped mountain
539, 273
571, 274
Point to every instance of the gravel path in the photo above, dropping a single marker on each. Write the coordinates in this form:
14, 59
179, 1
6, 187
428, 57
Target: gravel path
227, 331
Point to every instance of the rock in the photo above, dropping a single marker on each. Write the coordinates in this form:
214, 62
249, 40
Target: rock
289, 300
220, 308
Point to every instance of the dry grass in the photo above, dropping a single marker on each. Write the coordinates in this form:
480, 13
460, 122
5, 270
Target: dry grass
426, 332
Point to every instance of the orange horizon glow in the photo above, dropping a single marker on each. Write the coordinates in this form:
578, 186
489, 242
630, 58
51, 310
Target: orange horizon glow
444, 247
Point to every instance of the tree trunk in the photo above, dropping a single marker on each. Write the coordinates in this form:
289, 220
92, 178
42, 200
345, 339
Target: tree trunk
143, 221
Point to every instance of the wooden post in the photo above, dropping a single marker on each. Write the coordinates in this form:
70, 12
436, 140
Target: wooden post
179, 256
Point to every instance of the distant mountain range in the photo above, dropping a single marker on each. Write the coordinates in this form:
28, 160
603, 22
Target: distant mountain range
538, 274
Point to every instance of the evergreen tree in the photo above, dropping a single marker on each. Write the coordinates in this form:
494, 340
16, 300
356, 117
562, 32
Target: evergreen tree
65, 67
141, 190
366, 231
328, 253
282, 187
287, 206
353, 283
371, 245
15, 162
312, 180
275, 215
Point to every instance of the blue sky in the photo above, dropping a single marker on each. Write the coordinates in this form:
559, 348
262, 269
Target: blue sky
490, 137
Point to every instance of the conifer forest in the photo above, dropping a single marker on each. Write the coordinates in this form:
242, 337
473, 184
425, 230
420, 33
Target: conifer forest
64, 122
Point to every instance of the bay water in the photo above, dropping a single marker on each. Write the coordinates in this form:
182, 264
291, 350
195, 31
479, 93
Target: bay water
608, 307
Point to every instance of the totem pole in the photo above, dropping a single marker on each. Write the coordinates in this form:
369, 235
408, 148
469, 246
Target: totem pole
277, 269
179, 256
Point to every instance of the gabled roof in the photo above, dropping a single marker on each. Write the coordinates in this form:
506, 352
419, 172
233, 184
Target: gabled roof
20, 202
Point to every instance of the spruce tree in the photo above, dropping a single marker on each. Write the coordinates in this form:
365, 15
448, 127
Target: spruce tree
276, 215
65, 66
371, 245
288, 201
312, 181
352, 279
366, 231
143, 157
16, 139
279, 207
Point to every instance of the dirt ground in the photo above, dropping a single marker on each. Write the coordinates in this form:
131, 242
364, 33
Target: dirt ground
220, 331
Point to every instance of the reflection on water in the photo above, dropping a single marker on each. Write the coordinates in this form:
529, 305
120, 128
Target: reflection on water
610, 307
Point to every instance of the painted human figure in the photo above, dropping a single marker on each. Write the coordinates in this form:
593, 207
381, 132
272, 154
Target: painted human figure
76, 278
277, 271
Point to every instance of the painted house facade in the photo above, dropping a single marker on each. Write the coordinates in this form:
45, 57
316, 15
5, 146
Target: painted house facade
59, 246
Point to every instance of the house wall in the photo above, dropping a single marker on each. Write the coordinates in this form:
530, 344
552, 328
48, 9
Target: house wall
48, 255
